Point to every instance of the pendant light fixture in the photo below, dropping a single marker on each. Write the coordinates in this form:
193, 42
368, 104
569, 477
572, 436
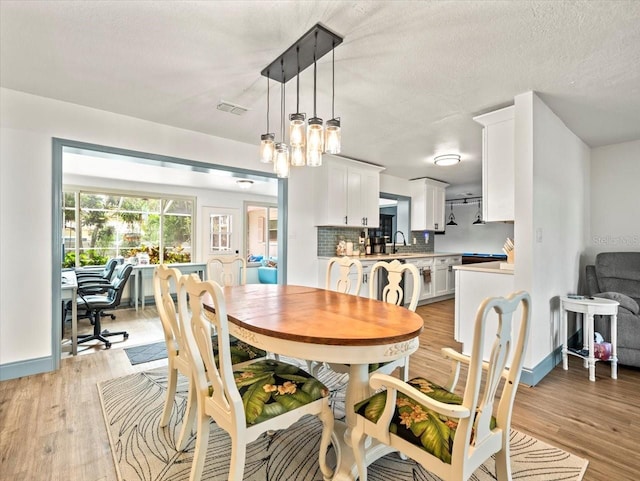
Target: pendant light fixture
315, 135
297, 133
452, 218
478, 220
305, 147
267, 147
281, 162
332, 130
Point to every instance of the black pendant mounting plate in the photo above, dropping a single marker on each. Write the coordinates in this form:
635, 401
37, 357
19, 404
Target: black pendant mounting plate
326, 41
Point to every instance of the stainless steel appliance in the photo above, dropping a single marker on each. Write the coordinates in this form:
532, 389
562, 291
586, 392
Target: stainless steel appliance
379, 245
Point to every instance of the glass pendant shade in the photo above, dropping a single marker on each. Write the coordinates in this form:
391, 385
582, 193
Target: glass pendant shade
297, 134
298, 157
281, 161
297, 139
267, 148
315, 142
332, 137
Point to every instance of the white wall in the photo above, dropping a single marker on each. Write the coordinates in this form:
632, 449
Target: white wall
615, 200
551, 201
27, 125
466, 237
394, 185
302, 239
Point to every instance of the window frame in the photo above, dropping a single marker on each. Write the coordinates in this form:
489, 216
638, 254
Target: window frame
163, 199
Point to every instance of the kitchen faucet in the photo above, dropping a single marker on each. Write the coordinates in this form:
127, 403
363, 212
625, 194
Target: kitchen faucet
404, 241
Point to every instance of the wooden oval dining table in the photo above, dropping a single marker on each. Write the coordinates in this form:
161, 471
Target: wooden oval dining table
325, 326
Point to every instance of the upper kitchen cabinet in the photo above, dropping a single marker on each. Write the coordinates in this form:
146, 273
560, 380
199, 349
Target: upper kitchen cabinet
498, 164
427, 204
347, 193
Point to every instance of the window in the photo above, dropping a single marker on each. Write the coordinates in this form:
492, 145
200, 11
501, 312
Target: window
100, 225
220, 232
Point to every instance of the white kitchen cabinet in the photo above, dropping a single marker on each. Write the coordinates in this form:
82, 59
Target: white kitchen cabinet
426, 278
445, 280
366, 277
451, 275
441, 277
427, 204
346, 193
498, 174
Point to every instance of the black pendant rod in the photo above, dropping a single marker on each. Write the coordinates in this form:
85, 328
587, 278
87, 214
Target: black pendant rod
268, 104
314, 79
282, 108
298, 80
333, 82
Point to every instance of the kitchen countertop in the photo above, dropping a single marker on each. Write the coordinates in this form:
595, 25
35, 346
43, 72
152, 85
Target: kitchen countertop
489, 267
400, 255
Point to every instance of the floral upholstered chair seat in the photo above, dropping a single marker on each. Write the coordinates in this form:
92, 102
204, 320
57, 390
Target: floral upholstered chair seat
270, 388
415, 423
240, 350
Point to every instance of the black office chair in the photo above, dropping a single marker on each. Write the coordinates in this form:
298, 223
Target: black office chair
96, 303
93, 275
93, 281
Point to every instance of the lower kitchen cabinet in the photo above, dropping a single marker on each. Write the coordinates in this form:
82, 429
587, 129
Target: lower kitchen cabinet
437, 277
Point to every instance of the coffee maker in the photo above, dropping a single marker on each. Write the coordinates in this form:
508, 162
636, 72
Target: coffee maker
379, 245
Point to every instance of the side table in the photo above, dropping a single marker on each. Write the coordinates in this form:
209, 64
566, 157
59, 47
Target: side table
588, 308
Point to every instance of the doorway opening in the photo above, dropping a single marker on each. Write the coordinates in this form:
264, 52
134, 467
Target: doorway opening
127, 175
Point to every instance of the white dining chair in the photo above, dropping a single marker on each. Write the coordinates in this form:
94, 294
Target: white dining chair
165, 281
449, 435
280, 393
394, 293
343, 280
229, 270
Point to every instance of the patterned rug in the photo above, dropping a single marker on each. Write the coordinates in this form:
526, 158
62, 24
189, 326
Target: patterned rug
146, 353
143, 451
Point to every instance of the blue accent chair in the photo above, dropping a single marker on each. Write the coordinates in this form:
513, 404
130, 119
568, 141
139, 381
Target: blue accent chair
266, 274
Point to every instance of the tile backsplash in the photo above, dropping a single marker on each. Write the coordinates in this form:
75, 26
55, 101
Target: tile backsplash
328, 238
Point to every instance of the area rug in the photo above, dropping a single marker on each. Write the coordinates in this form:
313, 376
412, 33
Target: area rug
143, 451
146, 353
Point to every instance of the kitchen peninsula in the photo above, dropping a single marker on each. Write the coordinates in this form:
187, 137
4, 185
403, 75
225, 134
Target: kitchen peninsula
474, 283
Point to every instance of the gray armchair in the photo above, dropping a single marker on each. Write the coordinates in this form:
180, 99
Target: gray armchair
616, 275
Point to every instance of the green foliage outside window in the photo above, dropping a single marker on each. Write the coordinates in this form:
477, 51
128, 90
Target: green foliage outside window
88, 258
113, 225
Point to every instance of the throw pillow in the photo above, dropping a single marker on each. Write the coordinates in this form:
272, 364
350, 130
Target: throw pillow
624, 300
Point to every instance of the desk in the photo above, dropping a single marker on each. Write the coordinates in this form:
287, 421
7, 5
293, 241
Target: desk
320, 325
142, 272
69, 292
588, 308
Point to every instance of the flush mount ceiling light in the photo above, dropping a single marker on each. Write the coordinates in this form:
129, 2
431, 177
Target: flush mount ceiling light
306, 147
244, 183
446, 159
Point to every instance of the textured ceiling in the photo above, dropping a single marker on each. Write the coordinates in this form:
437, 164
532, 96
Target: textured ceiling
409, 76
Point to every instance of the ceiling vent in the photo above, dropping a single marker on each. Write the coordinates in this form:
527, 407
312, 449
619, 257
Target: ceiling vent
233, 108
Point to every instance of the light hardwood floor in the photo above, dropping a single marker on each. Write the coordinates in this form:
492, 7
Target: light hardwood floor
52, 426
